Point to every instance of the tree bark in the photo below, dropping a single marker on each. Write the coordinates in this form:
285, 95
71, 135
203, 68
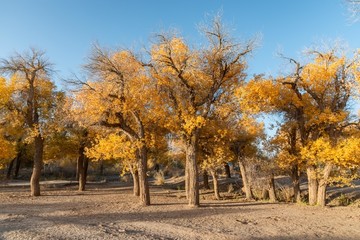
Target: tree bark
18, 164
38, 163
296, 183
16, 160
227, 170
193, 185
143, 182
187, 180
206, 179
82, 178
135, 177
77, 168
215, 184
321, 198
86, 167
8, 174
245, 180
265, 194
82, 163
312, 184
272, 190
101, 170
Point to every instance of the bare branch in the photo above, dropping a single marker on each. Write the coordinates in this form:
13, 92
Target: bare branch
77, 82
28, 63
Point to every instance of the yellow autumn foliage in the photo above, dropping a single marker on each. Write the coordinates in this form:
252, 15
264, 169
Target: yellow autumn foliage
319, 74
313, 101
192, 122
175, 52
113, 146
5, 92
343, 154
215, 150
7, 151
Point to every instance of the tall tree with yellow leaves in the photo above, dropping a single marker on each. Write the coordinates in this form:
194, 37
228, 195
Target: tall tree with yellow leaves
74, 133
287, 147
315, 98
214, 149
117, 147
243, 144
117, 97
34, 98
192, 81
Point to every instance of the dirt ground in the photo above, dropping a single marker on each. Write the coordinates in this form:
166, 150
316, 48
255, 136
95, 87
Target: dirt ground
110, 211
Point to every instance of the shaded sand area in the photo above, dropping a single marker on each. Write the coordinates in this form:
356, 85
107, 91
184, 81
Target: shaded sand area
110, 211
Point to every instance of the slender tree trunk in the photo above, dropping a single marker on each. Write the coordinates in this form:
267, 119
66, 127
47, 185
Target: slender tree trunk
143, 182
216, 184
265, 193
18, 164
272, 190
206, 179
101, 167
227, 170
81, 170
135, 177
245, 180
321, 199
82, 177
193, 186
8, 174
38, 163
16, 160
296, 183
86, 167
187, 180
77, 168
312, 184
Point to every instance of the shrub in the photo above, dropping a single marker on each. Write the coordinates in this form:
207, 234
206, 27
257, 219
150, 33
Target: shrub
159, 178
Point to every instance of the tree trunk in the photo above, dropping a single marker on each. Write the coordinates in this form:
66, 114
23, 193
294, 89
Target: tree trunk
135, 177
312, 184
206, 179
77, 168
265, 194
18, 163
296, 183
8, 174
187, 180
16, 160
143, 182
245, 180
82, 179
272, 190
82, 176
227, 170
193, 185
38, 163
216, 184
81, 167
101, 167
321, 199
86, 167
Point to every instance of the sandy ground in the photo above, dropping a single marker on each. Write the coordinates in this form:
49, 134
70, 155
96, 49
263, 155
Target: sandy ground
109, 211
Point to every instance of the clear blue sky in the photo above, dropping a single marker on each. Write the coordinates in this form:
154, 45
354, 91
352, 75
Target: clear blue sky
66, 29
